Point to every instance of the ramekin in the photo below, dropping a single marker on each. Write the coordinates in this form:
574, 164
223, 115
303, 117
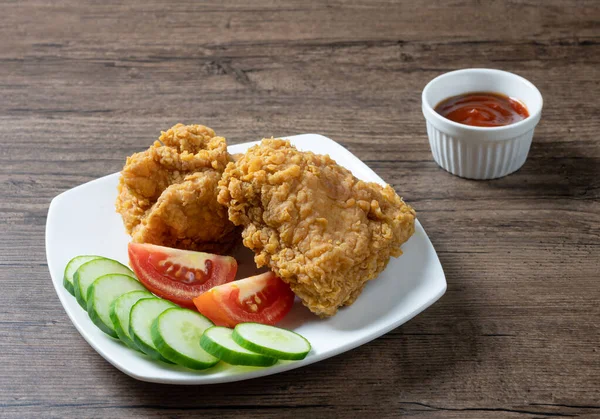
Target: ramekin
480, 152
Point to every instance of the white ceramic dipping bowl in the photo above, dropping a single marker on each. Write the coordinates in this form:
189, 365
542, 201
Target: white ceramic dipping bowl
480, 152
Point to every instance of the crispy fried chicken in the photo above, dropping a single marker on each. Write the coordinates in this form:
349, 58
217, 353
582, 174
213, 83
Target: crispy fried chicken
167, 194
319, 228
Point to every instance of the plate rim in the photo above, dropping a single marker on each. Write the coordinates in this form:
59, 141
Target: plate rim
205, 379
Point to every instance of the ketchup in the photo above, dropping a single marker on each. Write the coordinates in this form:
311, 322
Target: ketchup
482, 109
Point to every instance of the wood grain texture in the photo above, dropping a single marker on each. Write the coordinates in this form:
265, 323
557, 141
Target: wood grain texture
85, 83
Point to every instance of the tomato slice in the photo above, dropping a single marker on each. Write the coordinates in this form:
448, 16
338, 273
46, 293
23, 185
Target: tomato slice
179, 275
262, 299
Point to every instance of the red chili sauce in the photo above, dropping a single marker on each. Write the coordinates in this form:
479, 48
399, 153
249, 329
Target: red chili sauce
482, 109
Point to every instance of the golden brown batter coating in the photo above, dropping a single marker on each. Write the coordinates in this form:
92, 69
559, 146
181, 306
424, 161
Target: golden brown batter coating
309, 219
167, 194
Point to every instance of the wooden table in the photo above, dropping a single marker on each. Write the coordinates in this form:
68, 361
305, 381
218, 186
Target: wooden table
85, 83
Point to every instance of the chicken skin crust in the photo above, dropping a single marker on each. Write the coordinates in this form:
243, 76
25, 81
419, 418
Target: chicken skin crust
168, 193
319, 228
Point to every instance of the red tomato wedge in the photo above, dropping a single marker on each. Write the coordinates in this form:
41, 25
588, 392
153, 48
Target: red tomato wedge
179, 275
262, 299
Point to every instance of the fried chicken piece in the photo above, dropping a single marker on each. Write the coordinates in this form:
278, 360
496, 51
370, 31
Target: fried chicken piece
319, 228
168, 193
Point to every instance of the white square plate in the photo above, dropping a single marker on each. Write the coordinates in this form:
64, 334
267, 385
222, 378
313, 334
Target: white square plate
83, 221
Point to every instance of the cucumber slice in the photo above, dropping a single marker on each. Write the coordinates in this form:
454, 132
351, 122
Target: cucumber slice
102, 293
119, 314
217, 341
70, 269
143, 314
271, 341
92, 270
176, 334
